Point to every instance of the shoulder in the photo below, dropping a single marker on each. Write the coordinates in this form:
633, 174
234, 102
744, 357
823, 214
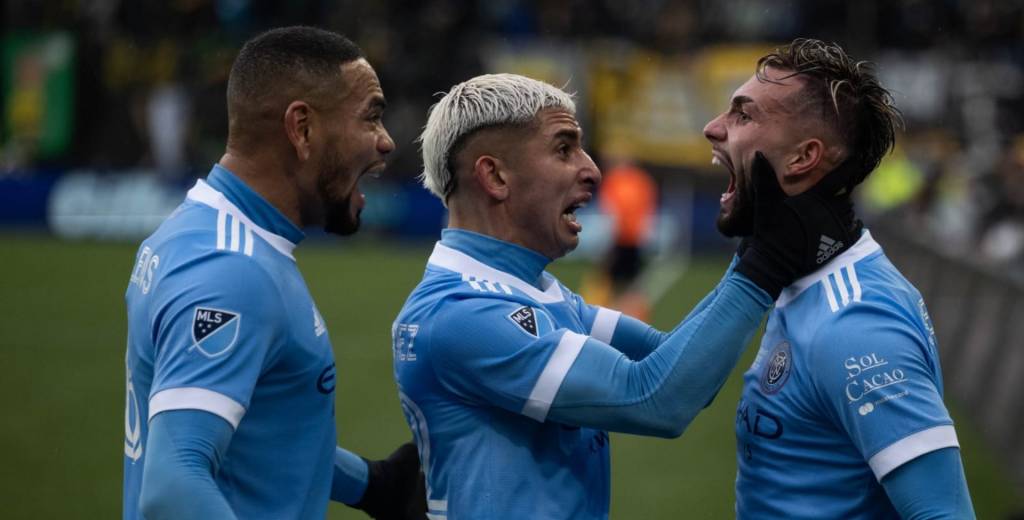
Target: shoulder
188, 266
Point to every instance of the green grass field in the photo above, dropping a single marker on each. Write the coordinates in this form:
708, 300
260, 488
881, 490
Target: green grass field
62, 345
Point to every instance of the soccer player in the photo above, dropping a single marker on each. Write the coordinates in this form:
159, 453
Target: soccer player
230, 372
842, 413
508, 380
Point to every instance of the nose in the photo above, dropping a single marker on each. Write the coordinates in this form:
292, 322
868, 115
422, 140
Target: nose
385, 144
715, 129
590, 173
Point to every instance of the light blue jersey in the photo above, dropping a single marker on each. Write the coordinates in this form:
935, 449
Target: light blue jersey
482, 457
509, 381
846, 387
220, 320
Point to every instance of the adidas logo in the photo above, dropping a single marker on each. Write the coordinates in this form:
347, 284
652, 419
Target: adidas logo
827, 247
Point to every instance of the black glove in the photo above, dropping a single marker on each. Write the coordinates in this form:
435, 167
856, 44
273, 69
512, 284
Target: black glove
795, 236
395, 489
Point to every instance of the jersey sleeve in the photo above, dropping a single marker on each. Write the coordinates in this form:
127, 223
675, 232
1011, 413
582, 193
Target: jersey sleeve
633, 337
628, 335
875, 375
501, 352
213, 331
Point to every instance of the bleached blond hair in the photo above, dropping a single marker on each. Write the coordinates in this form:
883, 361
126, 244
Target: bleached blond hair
488, 101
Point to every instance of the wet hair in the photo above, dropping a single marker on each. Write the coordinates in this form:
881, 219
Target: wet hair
288, 61
488, 101
846, 95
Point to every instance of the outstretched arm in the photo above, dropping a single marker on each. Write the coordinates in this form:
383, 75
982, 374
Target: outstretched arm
661, 394
636, 339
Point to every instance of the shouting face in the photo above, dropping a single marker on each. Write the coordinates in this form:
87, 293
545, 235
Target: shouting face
355, 144
550, 177
761, 118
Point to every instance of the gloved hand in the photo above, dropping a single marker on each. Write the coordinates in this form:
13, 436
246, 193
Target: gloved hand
795, 236
396, 488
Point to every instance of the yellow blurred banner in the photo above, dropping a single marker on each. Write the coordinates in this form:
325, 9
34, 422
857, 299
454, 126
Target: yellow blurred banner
638, 102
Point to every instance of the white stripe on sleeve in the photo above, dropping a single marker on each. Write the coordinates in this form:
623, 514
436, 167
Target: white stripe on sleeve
248, 240
604, 324
193, 398
550, 380
221, 228
235, 232
911, 447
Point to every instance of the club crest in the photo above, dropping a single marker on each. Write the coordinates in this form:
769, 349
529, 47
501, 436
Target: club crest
214, 331
526, 319
776, 370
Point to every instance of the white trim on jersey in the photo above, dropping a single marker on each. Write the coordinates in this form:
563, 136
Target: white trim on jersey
864, 247
195, 398
911, 447
237, 228
475, 272
550, 380
206, 194
835, 280
604, 324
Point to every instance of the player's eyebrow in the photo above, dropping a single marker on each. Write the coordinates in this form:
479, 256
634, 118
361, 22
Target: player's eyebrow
739, 101
378, 102
572, 134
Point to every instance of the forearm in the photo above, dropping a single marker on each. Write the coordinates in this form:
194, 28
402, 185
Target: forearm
932, 486
350, 477
637, 339
183, 454
661, 394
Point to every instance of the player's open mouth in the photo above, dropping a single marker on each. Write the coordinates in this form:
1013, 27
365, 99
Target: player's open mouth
730, 192
373, 172
569, 215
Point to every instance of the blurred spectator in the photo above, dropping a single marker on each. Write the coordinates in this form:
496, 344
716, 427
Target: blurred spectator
629, 198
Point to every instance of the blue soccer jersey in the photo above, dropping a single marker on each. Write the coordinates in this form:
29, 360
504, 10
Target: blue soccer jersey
845, 388
476, 402
220, 320
509, 381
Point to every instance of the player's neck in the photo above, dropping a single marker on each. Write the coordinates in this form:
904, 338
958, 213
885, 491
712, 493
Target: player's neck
260, 174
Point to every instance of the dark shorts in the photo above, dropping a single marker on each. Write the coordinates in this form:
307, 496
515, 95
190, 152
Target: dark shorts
625, 263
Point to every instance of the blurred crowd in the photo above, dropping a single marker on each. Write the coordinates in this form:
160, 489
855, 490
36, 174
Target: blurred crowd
110, 84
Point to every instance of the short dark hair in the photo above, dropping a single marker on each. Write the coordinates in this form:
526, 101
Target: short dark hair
280, 60
846, 94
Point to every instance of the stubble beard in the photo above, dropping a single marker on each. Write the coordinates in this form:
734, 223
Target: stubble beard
337, 214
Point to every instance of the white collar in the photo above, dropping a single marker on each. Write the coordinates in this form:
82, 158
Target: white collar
864, 247
206, 194
459, 262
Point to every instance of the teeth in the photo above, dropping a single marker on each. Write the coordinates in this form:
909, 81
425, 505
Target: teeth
569, 217
716, 161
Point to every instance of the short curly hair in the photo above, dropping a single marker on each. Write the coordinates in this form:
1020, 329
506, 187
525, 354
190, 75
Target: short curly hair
846, 94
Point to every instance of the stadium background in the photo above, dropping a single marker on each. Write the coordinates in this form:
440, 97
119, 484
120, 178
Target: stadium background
111, 108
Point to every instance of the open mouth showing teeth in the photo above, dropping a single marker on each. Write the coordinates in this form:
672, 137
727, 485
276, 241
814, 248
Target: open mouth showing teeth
569, 215
731, 190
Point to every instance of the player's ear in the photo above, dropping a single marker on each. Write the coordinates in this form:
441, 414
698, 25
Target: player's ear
807, 157
490, 175
298, 128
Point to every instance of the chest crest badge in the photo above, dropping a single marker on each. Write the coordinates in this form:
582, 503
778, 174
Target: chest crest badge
776, 369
